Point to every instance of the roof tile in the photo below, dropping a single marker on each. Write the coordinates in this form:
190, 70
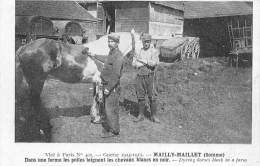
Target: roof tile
53, 9
196, 9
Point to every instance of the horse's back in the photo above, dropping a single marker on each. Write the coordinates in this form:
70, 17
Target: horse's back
33, 46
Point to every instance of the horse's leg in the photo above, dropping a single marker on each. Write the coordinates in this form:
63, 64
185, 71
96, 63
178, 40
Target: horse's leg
95, 118
94, 113
36, 117
92, 74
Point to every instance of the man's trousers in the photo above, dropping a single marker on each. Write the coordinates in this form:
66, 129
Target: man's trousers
111, 113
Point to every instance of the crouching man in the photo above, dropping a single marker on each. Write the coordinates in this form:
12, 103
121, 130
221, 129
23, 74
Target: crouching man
146, 62
110, 76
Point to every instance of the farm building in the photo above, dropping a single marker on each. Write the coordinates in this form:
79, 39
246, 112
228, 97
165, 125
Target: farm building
161, 19
51, 19
210, 22
96, 9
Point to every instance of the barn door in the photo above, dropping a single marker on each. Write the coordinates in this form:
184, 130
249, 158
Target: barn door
109, 10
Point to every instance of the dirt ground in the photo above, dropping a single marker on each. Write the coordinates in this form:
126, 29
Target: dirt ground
200, 101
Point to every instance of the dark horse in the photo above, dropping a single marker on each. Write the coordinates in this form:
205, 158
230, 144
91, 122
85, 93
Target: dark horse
43, 57
66, 62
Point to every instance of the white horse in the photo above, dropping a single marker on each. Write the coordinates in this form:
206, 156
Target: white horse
130, 44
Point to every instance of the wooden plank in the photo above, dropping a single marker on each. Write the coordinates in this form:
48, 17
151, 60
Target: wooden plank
22, 24
164, 29
127, 25
132, 14
163, 14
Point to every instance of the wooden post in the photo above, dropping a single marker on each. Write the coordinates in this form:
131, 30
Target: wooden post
237, 60
97, 19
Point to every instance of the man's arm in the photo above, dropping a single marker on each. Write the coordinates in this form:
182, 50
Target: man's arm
135, 62
146, 64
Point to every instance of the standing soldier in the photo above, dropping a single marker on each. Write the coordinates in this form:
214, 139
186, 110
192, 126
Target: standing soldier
146, 62
110, 76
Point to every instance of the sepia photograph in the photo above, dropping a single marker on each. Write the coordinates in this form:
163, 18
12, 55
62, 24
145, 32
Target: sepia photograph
138, 83
176, 72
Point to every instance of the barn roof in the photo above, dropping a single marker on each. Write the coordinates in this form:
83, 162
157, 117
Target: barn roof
171, 4
196, 9
53, 9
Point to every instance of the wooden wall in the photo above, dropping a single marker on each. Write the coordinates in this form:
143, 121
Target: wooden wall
147, 17
164, 29
22, 25
132, 15
165, 21
97, 13
213, 33
102, 22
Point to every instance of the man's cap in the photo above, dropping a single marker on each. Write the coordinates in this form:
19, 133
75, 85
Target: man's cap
146, 37
114, 37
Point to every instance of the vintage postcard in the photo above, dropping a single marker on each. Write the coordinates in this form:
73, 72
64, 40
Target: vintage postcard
129, 83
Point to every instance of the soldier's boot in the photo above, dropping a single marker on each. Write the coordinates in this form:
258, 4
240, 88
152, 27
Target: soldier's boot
141, 107
153, 106
107, 131
106, 134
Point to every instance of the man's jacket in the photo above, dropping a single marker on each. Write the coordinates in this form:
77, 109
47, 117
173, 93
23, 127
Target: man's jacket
112, 70
149, 57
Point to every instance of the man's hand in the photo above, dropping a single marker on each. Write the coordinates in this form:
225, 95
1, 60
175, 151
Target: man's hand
151, 67
106, 92
91, 54
151, 63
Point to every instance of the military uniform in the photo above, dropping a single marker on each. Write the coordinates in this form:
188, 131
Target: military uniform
145, 79
110, 76
145, 76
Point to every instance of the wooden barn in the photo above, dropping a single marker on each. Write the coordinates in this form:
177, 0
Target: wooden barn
34, 19
162, 19
210, 21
